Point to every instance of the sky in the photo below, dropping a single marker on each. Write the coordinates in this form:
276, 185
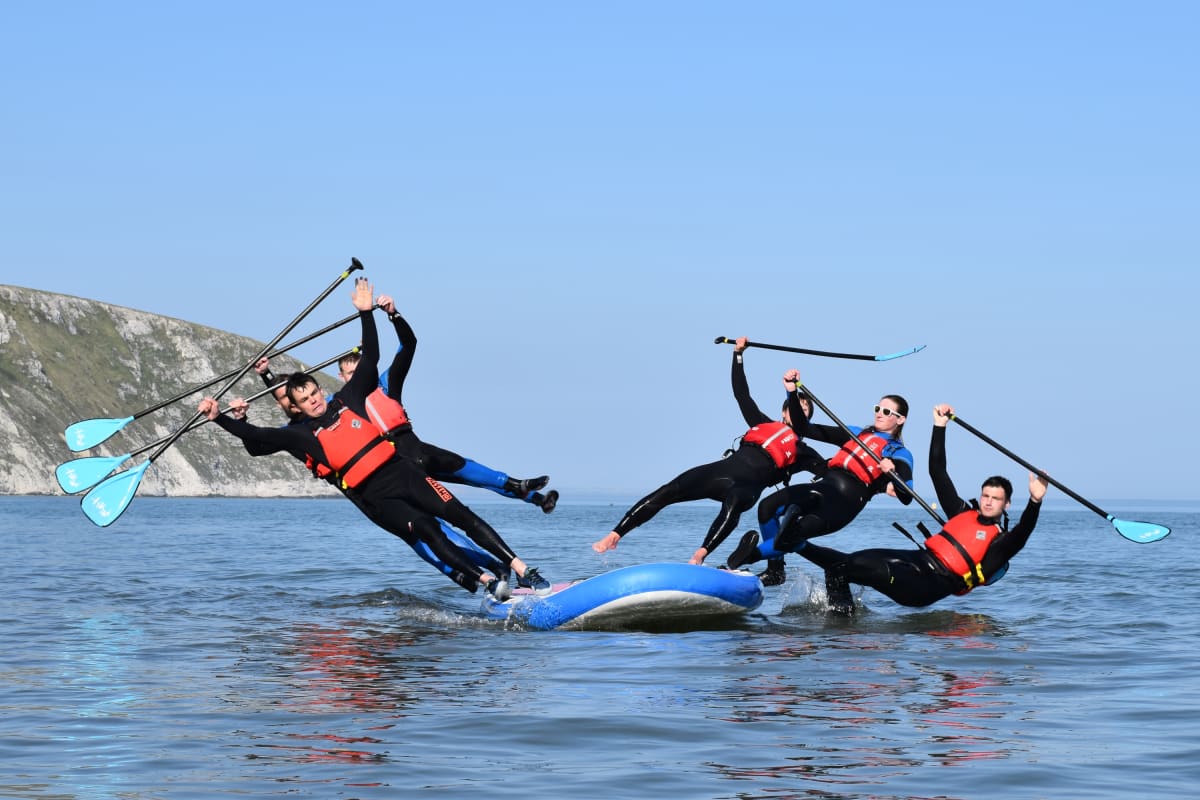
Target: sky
571, 201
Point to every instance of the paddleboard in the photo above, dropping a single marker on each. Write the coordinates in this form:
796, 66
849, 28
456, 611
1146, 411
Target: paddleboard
640, 596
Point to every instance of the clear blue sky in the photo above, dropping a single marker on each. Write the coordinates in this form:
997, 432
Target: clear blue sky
572, 200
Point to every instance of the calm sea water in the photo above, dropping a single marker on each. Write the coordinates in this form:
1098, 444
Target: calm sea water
215, 648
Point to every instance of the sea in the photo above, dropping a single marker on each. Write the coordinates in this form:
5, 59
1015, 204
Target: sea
256, 648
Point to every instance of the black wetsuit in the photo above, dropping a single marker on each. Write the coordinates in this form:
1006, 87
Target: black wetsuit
825, 505
735, 482
916, 577
390, 494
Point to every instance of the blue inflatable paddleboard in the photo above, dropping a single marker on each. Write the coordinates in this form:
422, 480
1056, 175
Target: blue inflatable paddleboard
644, 595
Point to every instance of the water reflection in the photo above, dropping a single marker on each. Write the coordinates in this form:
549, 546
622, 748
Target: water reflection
857, 714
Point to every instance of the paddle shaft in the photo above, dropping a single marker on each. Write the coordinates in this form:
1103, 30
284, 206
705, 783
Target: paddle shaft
257, 395
846, 430
277, 351
355, 264
1039, 472
825, 353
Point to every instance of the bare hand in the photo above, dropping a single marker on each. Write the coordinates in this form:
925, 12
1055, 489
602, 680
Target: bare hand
941, 414
1037, 487
238, 408
363, 295
209, 408
609, 542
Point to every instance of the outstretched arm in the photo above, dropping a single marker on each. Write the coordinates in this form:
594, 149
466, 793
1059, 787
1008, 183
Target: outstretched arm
741, 387
393, 381
947, 495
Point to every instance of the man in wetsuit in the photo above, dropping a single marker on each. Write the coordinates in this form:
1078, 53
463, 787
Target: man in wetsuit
770, 452
465, 563
972, 549
338, 437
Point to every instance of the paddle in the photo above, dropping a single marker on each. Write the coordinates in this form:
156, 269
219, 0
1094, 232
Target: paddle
895, 478
109, 499
79, 474
1140, 532
826, 353
88, 433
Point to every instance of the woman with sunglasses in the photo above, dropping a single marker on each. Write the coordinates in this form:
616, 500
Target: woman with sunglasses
797, 513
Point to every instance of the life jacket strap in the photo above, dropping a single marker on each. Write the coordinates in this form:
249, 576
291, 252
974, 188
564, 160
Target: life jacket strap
974, 575
354, 459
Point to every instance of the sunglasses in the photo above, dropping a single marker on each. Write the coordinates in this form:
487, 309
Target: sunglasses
887, 412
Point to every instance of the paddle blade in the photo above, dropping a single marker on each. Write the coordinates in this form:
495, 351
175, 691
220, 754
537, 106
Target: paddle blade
88, 433
84, 473
901, 354
1140, 532
109, 500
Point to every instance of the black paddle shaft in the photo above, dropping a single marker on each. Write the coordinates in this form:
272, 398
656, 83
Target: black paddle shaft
1039, 472
275, 352
826, 353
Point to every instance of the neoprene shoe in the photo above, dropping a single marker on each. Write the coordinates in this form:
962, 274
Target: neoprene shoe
523, 488
532, 579
498, 589
546, 501
746, 552
837, 590
774, 574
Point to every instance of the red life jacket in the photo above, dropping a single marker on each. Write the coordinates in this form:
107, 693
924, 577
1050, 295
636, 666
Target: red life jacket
961, 545
354, 448
387, 414
853, 456
778, 440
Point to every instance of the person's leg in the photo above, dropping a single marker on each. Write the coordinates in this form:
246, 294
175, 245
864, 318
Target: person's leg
451, 467
697, 483
739, 499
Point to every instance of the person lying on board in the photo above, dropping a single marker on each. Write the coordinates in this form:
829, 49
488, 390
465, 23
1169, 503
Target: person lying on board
853, 476
465, 563
972, 549
444, 465
769, 453
340, 439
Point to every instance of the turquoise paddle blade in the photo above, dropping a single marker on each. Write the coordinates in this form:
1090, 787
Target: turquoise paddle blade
901, 354
90, 432
109, 500
84, 473
1141, 532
